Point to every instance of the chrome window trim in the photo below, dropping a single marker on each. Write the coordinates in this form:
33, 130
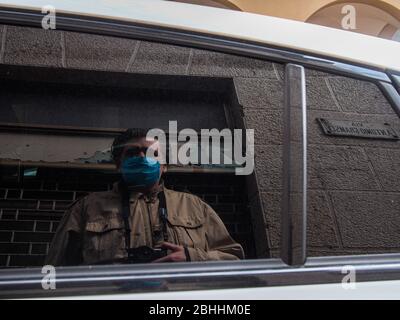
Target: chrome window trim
395, 76
103, 26
21, 283
391, 94
118, 279
397, 82
294, 196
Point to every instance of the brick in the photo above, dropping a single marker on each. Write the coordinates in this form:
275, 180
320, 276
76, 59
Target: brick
228, 65
39, 215
47, 195
11, 248
33, 236
386, 163
368, 219
160, 59
27, 260
18, 204
259, 92
39, 248
13, 194
62, 205
9, 214
318, 95
31, 184
340, 167
93, 52
79, 186
268, 167
46, 205
5, 236
33, 46
42, 226
3, 260
359, 96
16, 225
49, 185
320, 222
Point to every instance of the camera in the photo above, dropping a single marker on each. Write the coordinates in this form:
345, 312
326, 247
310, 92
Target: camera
145, 254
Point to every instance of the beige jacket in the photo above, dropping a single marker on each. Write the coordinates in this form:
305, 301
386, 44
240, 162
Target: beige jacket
92, 230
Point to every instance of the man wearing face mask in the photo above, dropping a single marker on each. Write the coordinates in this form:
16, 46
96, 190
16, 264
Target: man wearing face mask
140, 220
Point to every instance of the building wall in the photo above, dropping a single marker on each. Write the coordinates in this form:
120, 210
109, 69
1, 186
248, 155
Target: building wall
302, 10
354, 195
379, 18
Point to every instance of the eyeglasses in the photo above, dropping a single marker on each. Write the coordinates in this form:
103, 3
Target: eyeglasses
136, 151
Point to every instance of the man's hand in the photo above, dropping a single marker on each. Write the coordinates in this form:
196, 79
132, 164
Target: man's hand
177, 255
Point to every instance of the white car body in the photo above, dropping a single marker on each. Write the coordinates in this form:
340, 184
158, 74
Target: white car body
289, 35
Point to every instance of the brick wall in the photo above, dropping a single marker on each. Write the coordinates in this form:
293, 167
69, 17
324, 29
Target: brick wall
30, 210
354, 183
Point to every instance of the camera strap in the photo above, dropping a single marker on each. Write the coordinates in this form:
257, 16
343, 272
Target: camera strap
162, 212
126, 213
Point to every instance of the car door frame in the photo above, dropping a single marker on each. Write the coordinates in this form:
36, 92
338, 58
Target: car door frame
114, 279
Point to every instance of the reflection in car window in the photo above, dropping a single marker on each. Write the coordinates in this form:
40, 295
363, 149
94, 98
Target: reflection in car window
73, 156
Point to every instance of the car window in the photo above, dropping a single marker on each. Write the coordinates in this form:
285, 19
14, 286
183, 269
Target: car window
69, 95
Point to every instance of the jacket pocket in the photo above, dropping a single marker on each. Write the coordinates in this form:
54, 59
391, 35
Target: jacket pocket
189, 233
104, 238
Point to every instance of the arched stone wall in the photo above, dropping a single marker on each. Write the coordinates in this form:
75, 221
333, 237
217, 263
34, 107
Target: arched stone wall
302, 10
377, 18
370, 20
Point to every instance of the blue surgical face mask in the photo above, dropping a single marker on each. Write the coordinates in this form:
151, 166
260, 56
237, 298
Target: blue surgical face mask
140, 171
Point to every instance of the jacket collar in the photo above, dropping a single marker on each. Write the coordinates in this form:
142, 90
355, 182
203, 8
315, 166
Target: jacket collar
134, 195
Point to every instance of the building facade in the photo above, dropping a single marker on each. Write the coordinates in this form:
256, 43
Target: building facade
380, 18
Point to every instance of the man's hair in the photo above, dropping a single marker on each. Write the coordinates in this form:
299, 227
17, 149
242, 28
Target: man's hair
120, 141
